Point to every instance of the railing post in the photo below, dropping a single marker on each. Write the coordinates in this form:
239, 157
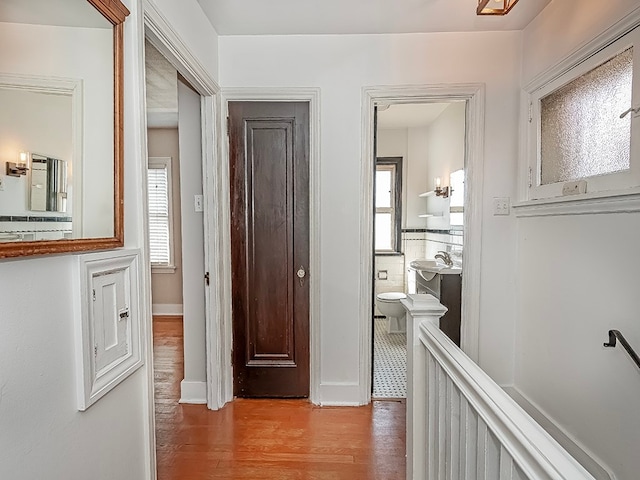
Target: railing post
419, 308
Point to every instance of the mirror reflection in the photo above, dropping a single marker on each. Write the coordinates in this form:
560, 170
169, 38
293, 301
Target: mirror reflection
48, 189
56, 121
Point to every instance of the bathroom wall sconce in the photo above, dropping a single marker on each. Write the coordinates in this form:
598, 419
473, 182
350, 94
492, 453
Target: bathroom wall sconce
441, 191
19, 168
495, 7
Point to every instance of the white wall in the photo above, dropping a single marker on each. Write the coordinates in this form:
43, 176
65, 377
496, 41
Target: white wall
445, 141
194, 384
43, 435
65, 46
166, 287
341, 66
417, 177
577, 279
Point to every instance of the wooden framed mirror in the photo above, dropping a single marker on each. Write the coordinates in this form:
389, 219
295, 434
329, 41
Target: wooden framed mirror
61, 126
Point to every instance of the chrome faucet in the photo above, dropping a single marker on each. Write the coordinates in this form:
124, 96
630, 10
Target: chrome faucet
445, 257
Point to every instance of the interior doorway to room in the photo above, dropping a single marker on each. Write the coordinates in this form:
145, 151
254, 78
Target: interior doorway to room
269, 182
418, 229
176, 231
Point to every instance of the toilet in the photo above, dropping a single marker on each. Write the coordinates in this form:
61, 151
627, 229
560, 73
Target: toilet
389, 305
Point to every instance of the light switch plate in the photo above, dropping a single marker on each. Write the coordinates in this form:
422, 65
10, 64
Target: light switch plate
501, 205
198, 201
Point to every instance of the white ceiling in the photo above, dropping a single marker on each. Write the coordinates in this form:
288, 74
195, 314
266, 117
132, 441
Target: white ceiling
287, 17
64, 13
410, 115
162, 90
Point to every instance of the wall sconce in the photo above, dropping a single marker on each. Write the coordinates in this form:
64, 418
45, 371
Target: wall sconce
19, 168
441, 191
495, 7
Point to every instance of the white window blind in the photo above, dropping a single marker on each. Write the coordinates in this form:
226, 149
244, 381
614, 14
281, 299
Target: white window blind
158, 176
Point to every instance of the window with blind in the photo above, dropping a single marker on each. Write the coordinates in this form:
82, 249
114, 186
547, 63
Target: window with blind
160, 215
388, 196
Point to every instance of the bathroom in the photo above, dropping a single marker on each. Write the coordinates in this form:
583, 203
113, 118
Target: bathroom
419, 198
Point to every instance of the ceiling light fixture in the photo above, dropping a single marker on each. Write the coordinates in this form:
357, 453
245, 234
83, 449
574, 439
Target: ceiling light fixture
495, 7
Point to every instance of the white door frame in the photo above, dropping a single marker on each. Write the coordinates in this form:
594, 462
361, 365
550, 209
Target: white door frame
293, 94
216, 219
473, 94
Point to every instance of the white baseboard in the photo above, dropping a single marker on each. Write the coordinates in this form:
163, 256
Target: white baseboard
193, 392
578, 451
339, 394
167, 309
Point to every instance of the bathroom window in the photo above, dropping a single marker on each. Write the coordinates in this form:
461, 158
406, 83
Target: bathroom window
160, 214
388, 195
586, 125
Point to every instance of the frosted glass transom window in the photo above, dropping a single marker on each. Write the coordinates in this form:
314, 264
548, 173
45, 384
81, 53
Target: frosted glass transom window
581, 132
583, 126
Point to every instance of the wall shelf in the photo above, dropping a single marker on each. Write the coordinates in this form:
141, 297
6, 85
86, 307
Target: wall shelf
428, 215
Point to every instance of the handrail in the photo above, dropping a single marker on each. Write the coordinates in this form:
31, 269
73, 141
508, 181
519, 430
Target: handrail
523, 441
613, 334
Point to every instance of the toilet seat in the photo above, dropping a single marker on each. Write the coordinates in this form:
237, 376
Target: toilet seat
391, 297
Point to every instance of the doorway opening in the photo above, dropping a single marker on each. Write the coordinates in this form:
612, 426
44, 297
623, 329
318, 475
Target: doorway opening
418, 218
175, 214
416, 144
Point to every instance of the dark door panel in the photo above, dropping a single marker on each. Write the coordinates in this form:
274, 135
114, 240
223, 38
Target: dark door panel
270, 243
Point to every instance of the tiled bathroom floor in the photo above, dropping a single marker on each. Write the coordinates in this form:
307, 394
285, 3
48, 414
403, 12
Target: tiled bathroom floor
389, 362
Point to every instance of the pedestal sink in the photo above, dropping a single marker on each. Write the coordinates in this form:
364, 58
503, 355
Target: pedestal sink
429, 268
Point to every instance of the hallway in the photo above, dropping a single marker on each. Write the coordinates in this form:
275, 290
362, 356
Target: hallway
268, 439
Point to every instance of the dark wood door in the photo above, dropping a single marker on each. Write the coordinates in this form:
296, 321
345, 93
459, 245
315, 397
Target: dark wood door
451, 297
269, 171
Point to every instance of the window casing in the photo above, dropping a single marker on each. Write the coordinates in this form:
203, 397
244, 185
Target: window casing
575, 131
388, 205
160, 215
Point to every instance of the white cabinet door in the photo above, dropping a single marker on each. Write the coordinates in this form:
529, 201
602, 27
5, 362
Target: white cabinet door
110, 317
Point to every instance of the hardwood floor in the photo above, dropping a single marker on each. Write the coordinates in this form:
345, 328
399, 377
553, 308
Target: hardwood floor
268, 439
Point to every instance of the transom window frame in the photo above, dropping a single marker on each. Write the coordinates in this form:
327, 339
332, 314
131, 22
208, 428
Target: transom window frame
605, 193
165, 163
393, 164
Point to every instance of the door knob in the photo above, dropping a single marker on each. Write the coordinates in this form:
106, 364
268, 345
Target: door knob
301, 273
